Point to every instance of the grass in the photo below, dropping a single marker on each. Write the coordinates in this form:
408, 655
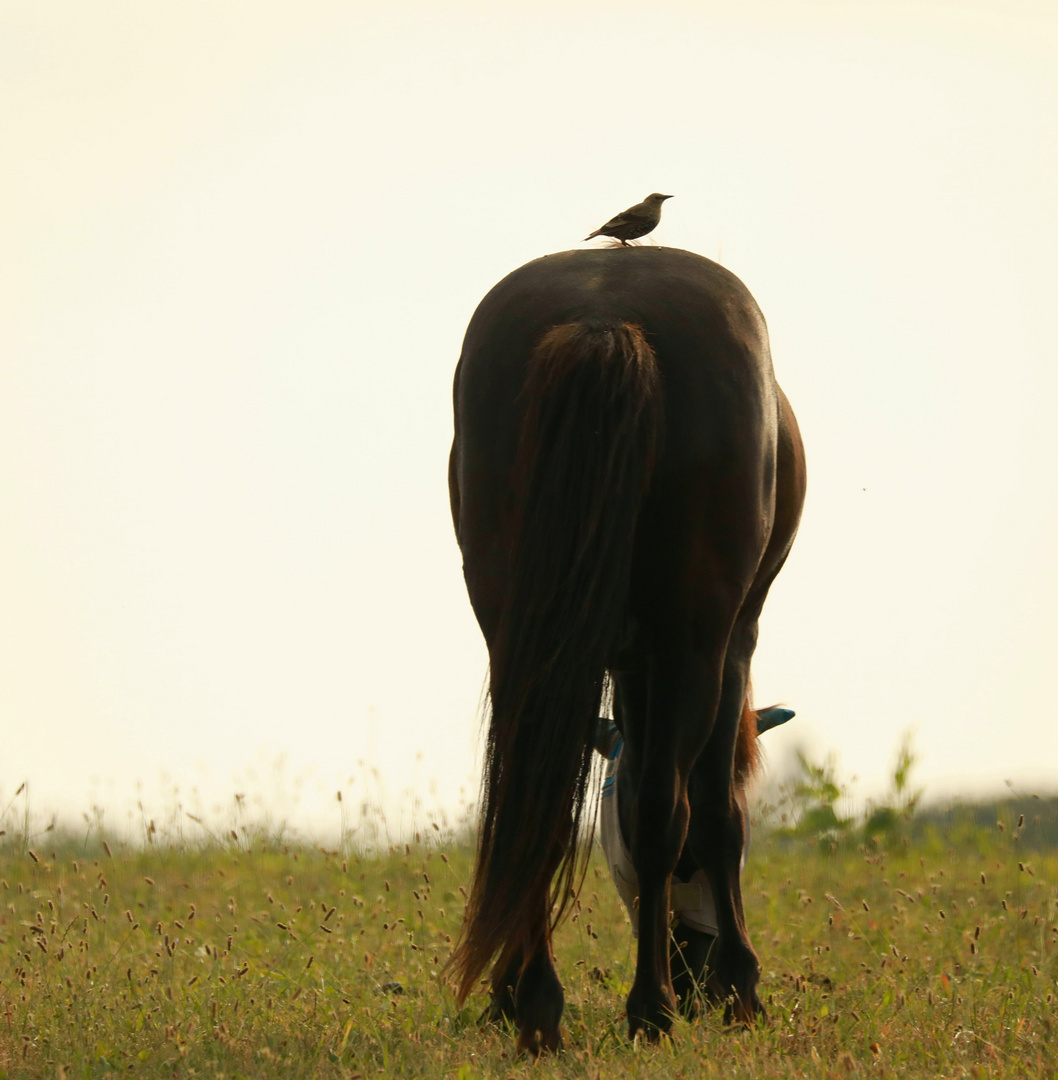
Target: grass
259, 959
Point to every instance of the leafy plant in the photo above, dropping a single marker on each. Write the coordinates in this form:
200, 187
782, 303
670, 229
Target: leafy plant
888, 821
812, 801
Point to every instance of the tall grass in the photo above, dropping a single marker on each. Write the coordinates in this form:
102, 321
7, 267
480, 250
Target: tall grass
924, 951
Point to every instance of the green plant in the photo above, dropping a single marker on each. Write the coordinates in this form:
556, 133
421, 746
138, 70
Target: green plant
813, 799
889, 820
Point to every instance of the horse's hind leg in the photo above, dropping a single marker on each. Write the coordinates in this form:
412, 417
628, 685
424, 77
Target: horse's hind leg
684, 690
539, 1001
689, 952
504, 983
526, 991
531, 999
717, 832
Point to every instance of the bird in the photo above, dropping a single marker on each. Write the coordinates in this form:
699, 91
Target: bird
634, 222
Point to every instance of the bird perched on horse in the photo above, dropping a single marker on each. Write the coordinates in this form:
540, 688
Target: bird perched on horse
634, 222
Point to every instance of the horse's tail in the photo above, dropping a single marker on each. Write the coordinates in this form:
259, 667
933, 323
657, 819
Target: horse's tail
590, 429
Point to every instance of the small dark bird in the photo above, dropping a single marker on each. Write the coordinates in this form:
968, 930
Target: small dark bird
634, 222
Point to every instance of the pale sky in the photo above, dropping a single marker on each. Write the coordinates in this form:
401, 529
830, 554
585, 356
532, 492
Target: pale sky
239, 245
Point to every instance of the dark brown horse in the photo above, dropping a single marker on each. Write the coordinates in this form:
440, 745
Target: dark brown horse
626, 481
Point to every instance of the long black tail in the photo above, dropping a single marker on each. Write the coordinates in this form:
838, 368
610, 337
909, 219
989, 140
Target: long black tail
589, 435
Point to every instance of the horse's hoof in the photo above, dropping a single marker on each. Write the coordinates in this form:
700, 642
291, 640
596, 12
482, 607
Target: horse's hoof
650, 1014
534, 1042
650, 1029
738, 1015
650, 1033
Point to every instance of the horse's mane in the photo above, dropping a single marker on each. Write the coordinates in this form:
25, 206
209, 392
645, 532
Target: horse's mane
747, 749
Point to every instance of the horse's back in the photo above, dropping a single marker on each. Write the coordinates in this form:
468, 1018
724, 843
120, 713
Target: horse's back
704, 326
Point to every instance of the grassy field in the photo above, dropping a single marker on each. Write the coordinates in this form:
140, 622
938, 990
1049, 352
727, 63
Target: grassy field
251, 958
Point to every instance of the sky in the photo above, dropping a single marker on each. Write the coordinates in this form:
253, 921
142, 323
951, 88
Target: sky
240, 243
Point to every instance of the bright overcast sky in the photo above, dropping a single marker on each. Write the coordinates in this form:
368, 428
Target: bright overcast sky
239, 245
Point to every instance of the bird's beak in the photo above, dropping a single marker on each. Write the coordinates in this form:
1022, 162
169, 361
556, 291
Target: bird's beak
666, 196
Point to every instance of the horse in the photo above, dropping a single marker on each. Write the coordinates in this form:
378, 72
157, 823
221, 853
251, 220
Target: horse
626, 479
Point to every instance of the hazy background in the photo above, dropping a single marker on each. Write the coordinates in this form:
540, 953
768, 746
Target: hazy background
239, 245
